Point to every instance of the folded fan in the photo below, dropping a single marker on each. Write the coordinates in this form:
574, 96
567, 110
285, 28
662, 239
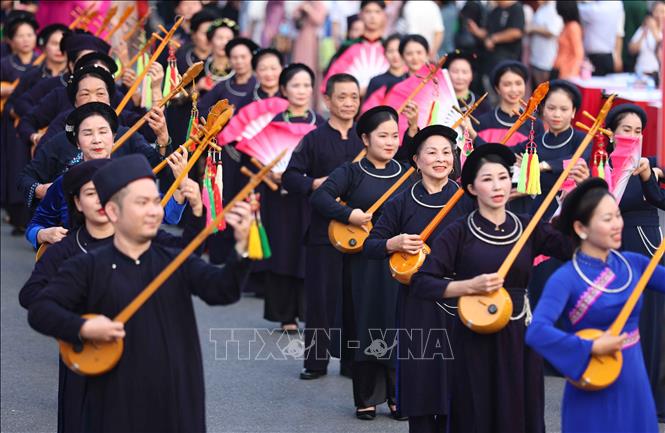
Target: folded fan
272, 140
364, 60
437, 91
251, 119
625, 159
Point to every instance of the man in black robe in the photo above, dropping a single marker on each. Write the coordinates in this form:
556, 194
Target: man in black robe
158, 383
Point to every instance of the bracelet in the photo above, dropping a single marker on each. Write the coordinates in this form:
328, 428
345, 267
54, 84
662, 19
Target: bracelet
163, 146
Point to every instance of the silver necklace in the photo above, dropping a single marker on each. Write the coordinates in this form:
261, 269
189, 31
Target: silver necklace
189, 58
431, 206
496, 116
594, 285
399, 170
78, 242
227, 83
650, 248
216, 78
255, 92
287, 117
470, 103
495, 239
557, 146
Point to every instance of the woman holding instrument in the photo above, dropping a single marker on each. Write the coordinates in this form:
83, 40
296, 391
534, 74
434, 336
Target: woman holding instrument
286, 216
422, 379
267, 64
554, 146
235, 89
498, 382
460, 65
20, 30
217, 67
414, 50
369, 293
642, 232
91, 129
589, 291
509, 80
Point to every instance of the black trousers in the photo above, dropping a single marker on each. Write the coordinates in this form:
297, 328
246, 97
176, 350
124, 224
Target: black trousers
373, 383
284, 297
323, 301
603, 64
428, 424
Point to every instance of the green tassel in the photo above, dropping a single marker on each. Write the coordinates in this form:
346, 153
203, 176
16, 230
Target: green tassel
601, 169
265, 245
119, 71
521, 182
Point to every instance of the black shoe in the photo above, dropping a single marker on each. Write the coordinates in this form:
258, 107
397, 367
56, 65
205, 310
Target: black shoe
395, 413
346, 370
366, 415
306, 374
290, 330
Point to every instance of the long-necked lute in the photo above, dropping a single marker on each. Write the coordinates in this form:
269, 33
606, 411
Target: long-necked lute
532, 104
404, 265
603, 370
95, 358
349, 238
487, 314
221, 113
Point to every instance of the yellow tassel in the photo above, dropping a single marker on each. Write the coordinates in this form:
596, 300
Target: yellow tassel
254, 243
533, 186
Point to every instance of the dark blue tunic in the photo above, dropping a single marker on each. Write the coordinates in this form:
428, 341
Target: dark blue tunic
72, 386
13, 154
497, 382
320, 152
386, 79
494, 125
553, 149
374, 292
34, 95
227, 89
422, 380
286, 218
158, 383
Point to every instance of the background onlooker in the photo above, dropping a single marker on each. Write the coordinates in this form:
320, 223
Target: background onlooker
449, 15
570, 55
424, 18
502, 35
602, 25
646, 40
544, 31
634, 12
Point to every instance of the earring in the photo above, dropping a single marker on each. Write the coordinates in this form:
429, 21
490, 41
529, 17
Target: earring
418, 170
583, 236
